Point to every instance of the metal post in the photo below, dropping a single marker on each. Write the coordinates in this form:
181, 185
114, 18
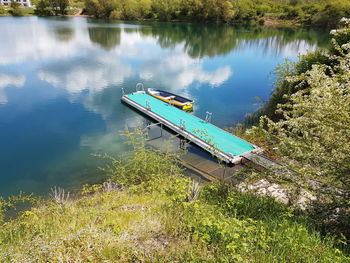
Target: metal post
208, 116
123, 91
148, 123
148, 106
224, 171
182, 124
182, 143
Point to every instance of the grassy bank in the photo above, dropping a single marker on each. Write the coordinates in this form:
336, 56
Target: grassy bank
157, 226
20, 11
150, 212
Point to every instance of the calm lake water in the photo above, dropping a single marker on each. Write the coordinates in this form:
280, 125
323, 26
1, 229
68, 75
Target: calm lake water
61, 79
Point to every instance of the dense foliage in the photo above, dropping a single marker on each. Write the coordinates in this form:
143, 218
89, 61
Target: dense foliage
310, 108
307, 120
51, 7
15, 9
319, 13
150, 212
324, 13
193, 10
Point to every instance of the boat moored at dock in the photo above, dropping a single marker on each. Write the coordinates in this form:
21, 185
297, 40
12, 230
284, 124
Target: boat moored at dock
171, 98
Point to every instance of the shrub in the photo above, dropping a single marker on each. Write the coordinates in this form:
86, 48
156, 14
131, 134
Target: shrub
15, 9
2, 10
331, 13
310, 109
43, 8
99, 8
293, 12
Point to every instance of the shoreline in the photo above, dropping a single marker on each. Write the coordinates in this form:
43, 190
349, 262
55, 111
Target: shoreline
269, 21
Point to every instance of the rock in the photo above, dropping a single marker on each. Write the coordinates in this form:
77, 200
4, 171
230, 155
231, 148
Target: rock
134, 207
265, 188
280, 193
304, 198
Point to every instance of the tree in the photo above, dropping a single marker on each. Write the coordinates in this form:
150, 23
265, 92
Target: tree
51, 7
166, 9
213, 10
59, 6
100, 8
15, 9
2, 10
315, 129
43, 8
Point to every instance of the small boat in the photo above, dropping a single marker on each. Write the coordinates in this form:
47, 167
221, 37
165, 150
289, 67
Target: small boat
176, 100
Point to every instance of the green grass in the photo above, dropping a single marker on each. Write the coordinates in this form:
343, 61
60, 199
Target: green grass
135, 224
151, 217
25, 11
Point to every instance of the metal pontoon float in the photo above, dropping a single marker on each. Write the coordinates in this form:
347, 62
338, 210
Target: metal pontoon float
225, 146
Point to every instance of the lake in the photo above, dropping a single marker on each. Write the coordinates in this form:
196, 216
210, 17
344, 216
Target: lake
61, 80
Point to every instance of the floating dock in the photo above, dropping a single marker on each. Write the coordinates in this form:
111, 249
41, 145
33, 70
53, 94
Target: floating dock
223, 145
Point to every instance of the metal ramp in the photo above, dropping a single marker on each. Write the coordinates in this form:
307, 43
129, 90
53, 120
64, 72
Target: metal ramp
268, 164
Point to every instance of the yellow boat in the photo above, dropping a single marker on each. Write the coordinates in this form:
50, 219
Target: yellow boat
176, 100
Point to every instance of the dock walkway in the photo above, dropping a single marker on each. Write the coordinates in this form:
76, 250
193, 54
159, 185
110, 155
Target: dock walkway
207, 136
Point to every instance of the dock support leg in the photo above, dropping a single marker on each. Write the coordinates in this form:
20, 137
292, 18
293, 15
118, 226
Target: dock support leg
224, 173
148, 124
182, 144
148, 127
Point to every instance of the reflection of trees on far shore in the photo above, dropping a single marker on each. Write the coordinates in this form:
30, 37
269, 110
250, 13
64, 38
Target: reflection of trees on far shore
64, 34
199, 40
106, 37
213, 40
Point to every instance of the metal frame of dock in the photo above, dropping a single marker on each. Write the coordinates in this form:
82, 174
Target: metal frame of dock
228, 158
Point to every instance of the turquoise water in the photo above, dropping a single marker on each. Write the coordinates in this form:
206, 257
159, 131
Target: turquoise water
61, 80
215, 136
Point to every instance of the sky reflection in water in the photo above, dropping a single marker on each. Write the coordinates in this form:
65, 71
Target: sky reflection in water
60, 81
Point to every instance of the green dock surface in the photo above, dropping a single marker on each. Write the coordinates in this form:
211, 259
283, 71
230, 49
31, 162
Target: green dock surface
222, 140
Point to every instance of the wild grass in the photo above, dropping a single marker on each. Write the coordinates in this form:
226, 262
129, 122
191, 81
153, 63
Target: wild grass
22, 11
165, 218
138, 225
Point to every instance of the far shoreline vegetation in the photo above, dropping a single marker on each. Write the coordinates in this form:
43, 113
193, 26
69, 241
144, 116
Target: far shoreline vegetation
313, 13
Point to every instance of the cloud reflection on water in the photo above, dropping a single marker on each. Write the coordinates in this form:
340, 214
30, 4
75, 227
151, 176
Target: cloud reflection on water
41, 39
93, 74
7, 80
